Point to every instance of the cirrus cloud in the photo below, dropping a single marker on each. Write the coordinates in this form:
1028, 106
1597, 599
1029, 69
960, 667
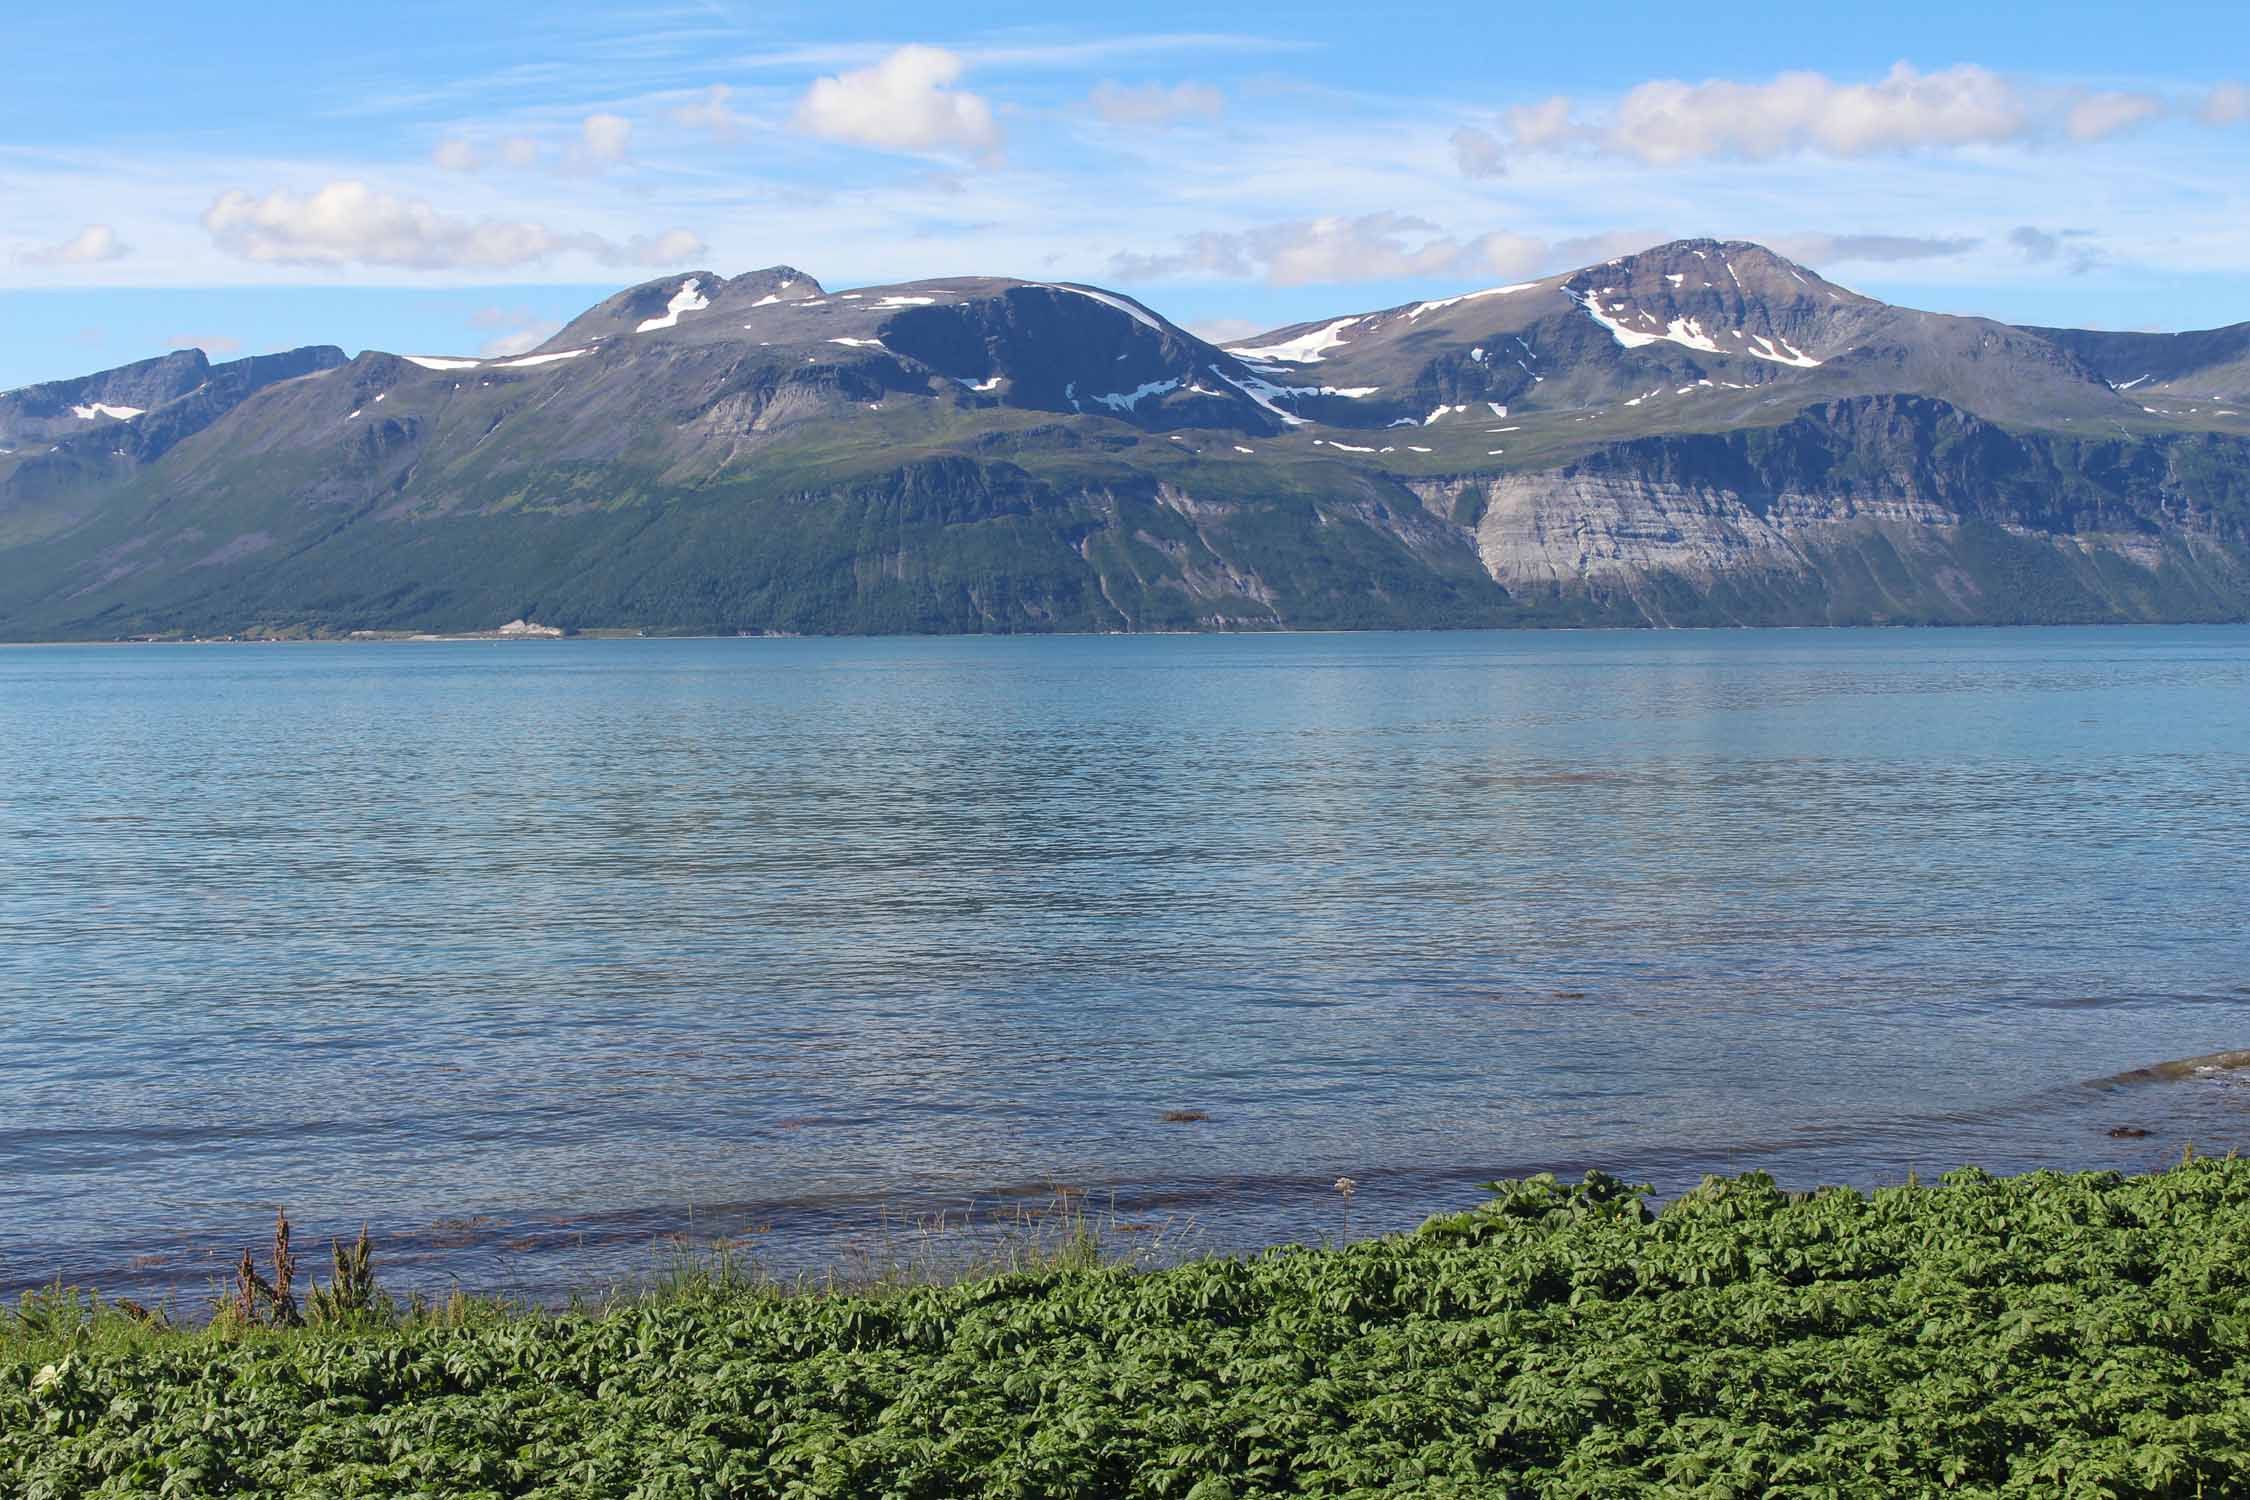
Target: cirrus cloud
1885, 249
1303, 252
1154, 104
902, 103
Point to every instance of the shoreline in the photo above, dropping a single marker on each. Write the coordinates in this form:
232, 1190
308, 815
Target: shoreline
965, 1243
2133, 1120
634, 633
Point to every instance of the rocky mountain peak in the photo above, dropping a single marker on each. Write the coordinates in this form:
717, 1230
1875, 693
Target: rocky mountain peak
785, 282
1722, 297
674, 301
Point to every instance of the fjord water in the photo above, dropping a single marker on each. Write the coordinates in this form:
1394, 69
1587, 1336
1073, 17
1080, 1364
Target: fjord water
531, 952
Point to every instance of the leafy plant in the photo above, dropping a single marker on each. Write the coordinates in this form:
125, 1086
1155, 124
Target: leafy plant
2067, 1335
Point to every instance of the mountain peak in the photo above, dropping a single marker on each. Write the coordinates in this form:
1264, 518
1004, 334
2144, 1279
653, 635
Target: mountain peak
662, 303
785, 281
1740, 266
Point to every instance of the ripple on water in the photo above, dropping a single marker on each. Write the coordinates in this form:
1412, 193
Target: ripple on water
569, 949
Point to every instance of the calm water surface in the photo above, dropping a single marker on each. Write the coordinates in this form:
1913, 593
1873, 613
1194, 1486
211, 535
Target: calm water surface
532, 952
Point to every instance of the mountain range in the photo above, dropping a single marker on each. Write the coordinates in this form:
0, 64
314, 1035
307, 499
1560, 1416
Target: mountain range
1703, 433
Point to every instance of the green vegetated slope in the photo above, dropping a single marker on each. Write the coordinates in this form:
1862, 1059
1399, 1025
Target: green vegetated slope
2043, 1335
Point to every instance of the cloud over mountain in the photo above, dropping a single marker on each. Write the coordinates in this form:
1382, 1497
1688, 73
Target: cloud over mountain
903, 103
1833, 249
349, 222
1668, 122
1336, 248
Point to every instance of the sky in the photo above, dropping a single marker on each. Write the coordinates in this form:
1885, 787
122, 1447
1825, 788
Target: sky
441, 178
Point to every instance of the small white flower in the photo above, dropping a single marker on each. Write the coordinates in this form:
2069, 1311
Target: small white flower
1346, 1186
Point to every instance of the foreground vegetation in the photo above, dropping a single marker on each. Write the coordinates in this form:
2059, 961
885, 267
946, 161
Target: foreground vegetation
2040, 1335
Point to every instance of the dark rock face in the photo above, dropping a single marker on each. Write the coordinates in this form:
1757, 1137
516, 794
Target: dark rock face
1700, 433
64, 408
2212, 364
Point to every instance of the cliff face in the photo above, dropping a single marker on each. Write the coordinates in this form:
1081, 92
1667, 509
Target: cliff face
1871, 511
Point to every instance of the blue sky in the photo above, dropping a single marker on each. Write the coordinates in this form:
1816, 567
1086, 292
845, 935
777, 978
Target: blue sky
448, 178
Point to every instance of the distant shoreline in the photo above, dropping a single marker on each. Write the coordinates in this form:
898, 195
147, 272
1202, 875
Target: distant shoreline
629, 633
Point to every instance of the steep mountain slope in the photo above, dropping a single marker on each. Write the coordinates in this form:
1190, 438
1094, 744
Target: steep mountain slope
2212, 365
1701, 433
42, 414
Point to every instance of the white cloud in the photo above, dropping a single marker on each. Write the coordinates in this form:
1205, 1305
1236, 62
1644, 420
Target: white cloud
902, 103
1154, 104
605, 137
711, 113
2098, 116
89, 246
1667, 122
455, 155
2226, 104
348, 222
519, 151
1478, 153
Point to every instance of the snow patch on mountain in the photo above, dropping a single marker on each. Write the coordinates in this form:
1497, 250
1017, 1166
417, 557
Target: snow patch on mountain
543, 359
689, 298
1137, 314
1127, 400
1265, 394
1420, 308
1304, 349
1783, 355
